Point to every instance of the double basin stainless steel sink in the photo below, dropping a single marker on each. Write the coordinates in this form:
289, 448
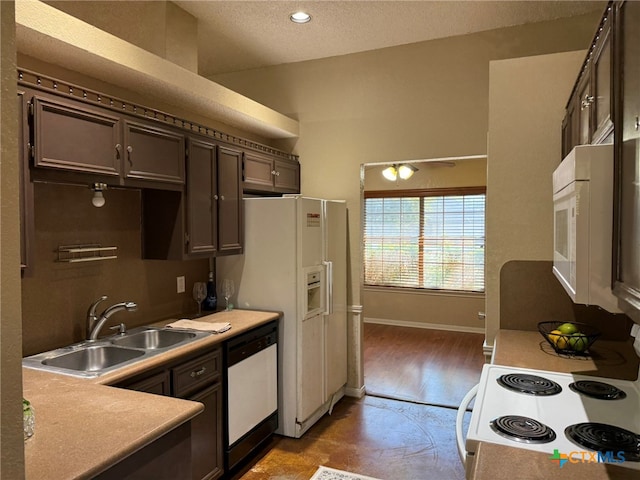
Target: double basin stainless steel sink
94, 358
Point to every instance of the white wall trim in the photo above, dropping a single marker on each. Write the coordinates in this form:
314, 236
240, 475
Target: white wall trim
355, 392
355, 309
487, 350
355, 360
431, 326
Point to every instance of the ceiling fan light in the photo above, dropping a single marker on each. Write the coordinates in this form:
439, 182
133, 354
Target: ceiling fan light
390, 173
300, 17
406, 171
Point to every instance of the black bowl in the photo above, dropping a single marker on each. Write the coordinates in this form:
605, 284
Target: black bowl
574, 344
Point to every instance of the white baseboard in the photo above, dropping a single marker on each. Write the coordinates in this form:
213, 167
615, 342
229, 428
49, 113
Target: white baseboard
354, 392
488, 351
431, 326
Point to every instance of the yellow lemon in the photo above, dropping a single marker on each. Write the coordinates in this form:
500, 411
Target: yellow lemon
558, 339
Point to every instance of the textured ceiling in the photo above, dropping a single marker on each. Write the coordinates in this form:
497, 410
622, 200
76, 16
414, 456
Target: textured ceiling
239, 35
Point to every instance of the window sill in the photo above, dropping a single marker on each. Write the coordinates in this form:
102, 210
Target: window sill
421, 291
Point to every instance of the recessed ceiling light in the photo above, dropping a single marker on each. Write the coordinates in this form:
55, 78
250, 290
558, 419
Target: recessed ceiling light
300, 17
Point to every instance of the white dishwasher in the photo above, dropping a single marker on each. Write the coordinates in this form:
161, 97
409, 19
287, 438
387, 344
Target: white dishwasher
251, 361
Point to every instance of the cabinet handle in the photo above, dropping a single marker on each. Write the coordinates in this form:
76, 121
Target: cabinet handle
197, 373
129, 152
221, 197
637, 122
215, 197
275, 172
588, 100
118, 148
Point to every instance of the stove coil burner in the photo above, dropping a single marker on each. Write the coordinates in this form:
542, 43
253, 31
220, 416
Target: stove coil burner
529, 384
599, 390
522, 429
605, 438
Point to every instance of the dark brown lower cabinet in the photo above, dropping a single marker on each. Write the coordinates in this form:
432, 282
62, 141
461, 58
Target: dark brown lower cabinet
200, 380
165, 459
206, 449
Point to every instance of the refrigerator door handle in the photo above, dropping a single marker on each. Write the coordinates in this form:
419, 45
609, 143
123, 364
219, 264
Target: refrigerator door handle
328, 307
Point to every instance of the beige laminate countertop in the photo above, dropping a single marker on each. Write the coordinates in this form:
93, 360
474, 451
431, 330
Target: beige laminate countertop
83, 426
529, 350
526, 349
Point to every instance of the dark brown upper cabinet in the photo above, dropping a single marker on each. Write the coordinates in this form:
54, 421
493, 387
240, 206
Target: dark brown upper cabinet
206, 220
98, 144
626, 266
589, 111
27, 225
202, 198
602, 85
263, 173
71, 136
230, 213
214, 199
153, 153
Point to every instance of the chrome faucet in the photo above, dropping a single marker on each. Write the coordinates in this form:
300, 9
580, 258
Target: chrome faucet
95, 323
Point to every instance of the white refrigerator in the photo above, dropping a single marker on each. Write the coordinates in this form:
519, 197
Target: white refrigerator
295, 262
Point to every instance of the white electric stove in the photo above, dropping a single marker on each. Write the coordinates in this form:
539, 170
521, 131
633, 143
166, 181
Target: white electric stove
557, 414
569, 417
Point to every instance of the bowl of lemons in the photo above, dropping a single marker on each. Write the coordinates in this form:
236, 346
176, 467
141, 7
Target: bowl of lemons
567, 337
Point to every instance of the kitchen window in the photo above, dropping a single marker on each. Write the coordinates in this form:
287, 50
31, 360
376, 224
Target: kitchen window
426, 239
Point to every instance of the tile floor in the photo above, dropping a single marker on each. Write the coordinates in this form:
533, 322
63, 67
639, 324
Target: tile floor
378, 437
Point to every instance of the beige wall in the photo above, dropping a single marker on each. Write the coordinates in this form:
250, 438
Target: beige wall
431, 174
425, 100
55, 298
11, 441
159, 27
526, 106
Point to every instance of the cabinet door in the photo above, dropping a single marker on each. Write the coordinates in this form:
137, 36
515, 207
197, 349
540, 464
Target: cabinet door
153, 153
71, 136
157, 384
566, 135
258, 172
287, 176
201, 192
311, 371
206, 435
585, 101
230, 217
627, 278
602, 69
27, 226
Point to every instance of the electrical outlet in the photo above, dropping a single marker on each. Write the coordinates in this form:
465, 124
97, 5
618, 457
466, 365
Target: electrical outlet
180, 284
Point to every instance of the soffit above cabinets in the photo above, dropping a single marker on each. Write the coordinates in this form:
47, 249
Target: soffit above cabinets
50, 35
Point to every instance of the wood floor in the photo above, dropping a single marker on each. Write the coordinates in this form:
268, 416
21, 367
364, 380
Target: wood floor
388, 438
435, 367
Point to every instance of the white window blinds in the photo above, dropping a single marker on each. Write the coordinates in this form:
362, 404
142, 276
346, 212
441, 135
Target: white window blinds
426, 239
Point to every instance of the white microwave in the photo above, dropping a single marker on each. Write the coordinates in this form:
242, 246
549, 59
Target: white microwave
583, 225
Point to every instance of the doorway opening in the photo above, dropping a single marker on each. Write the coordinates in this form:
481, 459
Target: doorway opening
422, 345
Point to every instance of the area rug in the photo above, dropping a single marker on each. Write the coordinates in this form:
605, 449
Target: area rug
326, 473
